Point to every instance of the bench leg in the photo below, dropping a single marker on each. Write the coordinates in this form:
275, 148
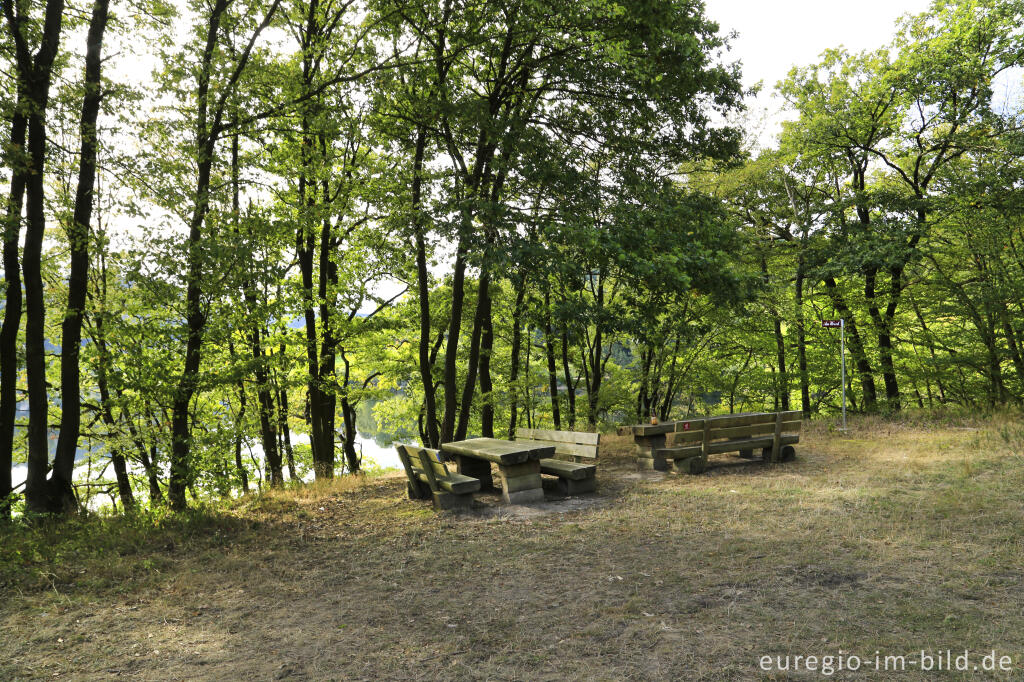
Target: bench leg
521, 483
691, 466
788, 453
747, 454
477, 468
417, 491
445, 500
646, 448
567, 486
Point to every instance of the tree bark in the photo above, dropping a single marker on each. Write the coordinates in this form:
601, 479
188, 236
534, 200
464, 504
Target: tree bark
12, 307
517, 343
34, 75
550, 350
78, 279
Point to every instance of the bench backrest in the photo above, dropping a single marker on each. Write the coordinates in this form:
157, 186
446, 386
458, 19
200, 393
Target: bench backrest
731, 426
416, 460
566, 443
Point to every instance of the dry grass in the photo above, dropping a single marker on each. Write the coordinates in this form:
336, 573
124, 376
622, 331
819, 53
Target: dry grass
894, 537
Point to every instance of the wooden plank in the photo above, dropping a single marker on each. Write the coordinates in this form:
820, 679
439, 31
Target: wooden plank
653, 429
498, 451
514, 484
563, 469
578, 437
510, 470
423, 460
690, 426
455, 483
748, 444
567, 449
776, 438
705, 441
524, 496
688, 436
752, 430
416, 489
683, 452
751, 418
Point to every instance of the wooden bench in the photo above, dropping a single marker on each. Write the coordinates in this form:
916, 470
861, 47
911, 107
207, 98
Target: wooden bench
429, 478
774, 433
574, 476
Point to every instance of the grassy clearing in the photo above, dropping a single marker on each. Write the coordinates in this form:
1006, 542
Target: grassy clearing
893, 537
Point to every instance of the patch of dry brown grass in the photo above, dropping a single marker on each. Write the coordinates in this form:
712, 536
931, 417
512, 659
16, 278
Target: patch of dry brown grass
895, 536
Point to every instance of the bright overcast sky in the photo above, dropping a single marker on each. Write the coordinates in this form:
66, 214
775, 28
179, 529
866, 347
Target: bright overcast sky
775, 35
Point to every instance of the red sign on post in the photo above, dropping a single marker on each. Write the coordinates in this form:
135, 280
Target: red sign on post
831, 323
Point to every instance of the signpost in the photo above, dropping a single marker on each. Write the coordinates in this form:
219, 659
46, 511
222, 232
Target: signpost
841, 323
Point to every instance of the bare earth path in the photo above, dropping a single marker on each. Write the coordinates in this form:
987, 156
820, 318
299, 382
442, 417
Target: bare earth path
895, 544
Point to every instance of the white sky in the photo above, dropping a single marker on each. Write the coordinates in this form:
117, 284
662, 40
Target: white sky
775, 35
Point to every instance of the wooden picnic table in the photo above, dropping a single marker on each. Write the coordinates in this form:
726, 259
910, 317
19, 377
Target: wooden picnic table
518, 465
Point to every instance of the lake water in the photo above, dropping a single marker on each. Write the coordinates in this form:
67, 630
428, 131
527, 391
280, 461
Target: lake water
373, 453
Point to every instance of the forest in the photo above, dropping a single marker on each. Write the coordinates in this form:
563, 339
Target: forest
244, 225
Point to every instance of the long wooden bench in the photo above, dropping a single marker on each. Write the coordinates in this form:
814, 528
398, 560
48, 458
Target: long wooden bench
693, 440
574, 477
429, 478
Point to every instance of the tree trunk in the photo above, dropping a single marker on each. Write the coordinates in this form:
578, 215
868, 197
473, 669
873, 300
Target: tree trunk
432, 439
570, 383
801, 342
452, 348
12, 308
35, 75
473, 362
78, 278
549, 346
517, 342
181, 432
867, 379
486, 386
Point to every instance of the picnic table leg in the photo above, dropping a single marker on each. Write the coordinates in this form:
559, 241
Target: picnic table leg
521, 483
477, 468
645, 448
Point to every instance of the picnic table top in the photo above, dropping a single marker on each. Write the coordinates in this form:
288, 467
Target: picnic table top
499, 451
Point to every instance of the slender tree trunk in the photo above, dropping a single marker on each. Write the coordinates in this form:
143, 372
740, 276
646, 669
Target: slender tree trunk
452, 347
243, 473
549, 346
12, 307
124, 486
284, 429
181, 432
473, 362
36, 75
860, 358
885, 349
423, 290
486, 385
570, 384
78, 278
801, 342
517, 342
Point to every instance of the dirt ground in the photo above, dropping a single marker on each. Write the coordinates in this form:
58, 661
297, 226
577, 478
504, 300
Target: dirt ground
892, 538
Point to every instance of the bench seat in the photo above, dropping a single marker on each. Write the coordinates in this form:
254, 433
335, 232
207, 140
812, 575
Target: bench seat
453, 483
571, 470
